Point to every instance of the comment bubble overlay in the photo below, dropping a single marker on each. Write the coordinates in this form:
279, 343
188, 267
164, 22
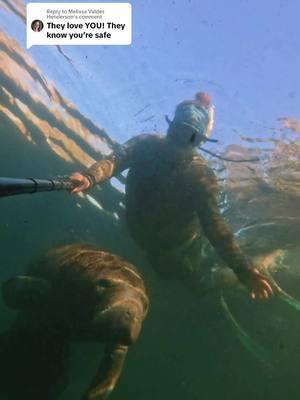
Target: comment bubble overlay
79, 24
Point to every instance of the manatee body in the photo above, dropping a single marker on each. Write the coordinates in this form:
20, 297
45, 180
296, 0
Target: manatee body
76, 292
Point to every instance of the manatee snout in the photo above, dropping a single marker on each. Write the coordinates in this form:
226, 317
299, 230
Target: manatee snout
122, 321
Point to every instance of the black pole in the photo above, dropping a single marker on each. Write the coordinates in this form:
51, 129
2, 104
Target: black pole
13, 186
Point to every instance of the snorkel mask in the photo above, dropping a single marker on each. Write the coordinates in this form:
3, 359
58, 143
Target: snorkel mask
193, 121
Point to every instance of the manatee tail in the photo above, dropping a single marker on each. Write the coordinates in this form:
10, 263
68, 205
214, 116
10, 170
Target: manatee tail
250, 344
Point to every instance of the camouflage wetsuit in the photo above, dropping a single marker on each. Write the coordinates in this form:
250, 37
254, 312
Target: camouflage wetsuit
171, 204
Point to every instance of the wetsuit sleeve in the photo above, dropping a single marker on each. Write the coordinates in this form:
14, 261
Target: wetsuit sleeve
115, 163
212, 221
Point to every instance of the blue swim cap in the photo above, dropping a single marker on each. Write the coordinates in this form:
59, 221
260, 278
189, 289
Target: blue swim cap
193, 116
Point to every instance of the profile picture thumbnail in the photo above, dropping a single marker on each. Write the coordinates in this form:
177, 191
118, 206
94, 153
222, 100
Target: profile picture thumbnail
37, 25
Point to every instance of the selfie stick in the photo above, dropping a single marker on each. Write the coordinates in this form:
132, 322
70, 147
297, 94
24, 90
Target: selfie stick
13, 186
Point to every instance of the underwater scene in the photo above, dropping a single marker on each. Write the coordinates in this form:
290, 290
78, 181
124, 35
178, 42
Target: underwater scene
165, 262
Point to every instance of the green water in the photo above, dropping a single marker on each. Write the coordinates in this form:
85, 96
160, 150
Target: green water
187, 348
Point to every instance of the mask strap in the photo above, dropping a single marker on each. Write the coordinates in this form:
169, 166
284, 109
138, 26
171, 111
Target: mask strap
169, 122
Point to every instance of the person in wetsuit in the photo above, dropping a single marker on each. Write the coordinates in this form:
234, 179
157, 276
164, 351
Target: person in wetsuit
171, 199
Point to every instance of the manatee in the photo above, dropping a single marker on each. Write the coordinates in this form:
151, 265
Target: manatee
73, 293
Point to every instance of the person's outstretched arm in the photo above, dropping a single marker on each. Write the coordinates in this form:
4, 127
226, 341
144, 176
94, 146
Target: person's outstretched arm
108, 167
219, 234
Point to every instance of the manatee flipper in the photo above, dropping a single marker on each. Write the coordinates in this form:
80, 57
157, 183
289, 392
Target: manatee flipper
23, 292
108, 373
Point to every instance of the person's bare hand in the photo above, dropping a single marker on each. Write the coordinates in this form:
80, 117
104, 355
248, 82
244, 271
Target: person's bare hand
258, 284
82, 183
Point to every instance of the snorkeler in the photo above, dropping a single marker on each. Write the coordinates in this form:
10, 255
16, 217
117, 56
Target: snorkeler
171, 200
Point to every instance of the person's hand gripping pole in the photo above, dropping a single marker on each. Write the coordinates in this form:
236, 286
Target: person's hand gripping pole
81, 181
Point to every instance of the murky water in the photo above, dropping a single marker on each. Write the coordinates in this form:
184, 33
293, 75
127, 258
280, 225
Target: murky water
63, 108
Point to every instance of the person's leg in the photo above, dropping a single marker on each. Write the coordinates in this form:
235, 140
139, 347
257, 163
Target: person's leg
185, 265
195, 271
165, 263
